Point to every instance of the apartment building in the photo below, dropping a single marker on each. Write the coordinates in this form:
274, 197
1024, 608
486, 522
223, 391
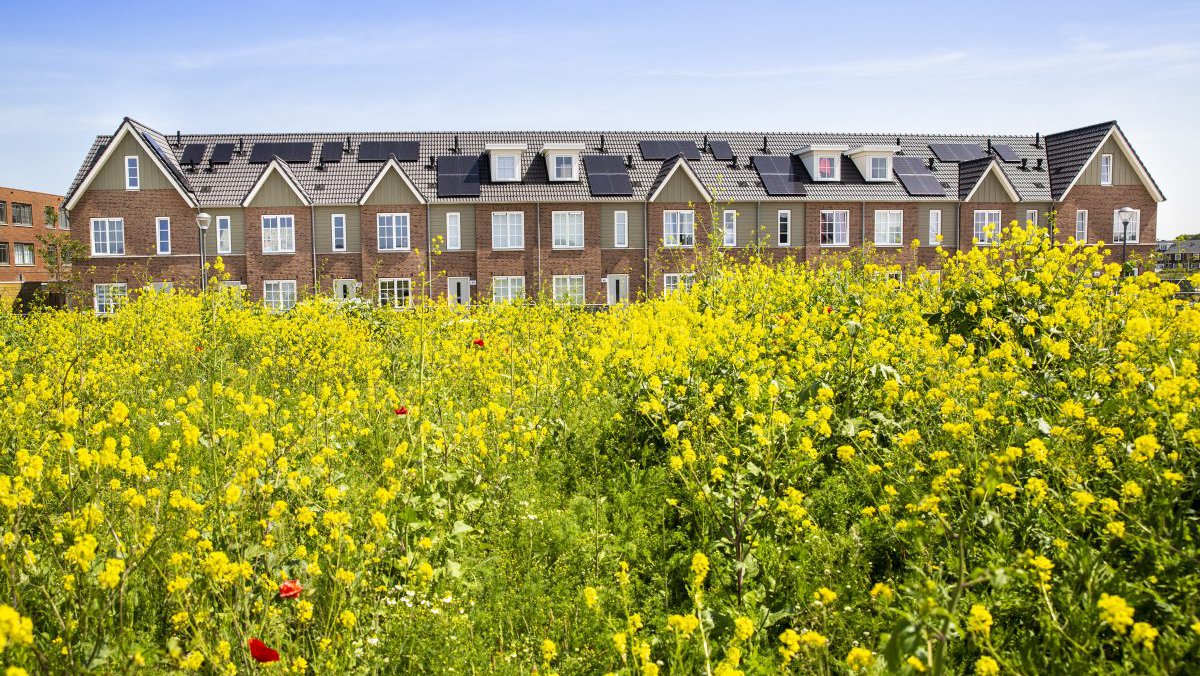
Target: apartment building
22, 219
595, 217
1181, 255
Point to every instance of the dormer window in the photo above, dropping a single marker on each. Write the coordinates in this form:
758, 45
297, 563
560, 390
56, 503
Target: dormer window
823, 162
879, 168
505, 161
874, 160
827, 168
564, 168
562, 160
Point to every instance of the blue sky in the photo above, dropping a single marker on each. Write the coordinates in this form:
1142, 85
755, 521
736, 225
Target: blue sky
73, 70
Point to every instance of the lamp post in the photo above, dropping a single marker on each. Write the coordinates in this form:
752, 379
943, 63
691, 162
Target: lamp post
202, 221
1125, 215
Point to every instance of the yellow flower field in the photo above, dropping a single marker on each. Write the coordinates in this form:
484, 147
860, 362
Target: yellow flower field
791, 469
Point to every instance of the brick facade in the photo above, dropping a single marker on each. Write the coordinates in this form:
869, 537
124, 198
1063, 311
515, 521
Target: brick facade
13, 234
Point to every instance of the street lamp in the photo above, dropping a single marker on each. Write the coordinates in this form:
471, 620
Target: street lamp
202, 221
1125, 216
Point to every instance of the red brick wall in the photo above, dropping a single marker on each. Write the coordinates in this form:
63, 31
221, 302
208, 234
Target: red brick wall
456, 264
585, 261
812, 249
492, 263
378, 264
261, 266
966, 221
1100, 202
19, 234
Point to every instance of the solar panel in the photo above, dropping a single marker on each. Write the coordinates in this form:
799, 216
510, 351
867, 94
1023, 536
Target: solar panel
780, 174
193, 153
957, 152
721, 150
665, 150
331, 151
916, 177
458, 176
288, 152
1005, 152
607, 175
162, 156
379, 151
222, 153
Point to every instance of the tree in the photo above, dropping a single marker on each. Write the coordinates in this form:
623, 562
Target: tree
58, 249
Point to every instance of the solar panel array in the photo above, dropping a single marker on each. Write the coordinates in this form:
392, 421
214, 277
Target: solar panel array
331, 151
193, 153
721, 150
607, 175
665, 150
288, 152
917, 177
163, 157
1005, 152
780, 174
222, 153
458, 176
379, 151
957, 152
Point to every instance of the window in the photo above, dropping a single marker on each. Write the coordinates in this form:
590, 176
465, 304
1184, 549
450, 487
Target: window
453, 231
1119, 230
507, 289
1106, 170
1081, 225
568, 289
679, 228
133, 180
23, 253
729, 226
108, 236
935, 226
279, 295
395, 292
564, 167
784, 219
896, 275
879, 168
827, 168
109, 297
393, 232
506, 168
337, 226
162, 287
22, 214
673, 281
508, 230
1031, 216
621, 229
224, 235
3, 212
987, 227
567, 228
835, 228
3, 253
162, 225
278, 234
889, 227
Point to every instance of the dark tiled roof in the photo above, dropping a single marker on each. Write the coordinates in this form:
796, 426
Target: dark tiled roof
971, 172
1069, 151
1184, 246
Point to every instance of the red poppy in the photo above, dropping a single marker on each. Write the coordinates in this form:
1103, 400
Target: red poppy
828, 310
403, 410
290, 589
261, 653
198, 348
478, 342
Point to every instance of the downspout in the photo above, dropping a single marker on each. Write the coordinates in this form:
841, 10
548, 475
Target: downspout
538, 227
312, 226
863, 206
957, 226
646, 249
429, 254
757, 222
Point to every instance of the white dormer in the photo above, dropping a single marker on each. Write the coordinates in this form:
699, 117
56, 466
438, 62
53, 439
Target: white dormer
505, 161
874, 161
562, 160
822, 160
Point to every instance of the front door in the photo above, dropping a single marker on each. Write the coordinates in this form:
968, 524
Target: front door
458, 290
618, 289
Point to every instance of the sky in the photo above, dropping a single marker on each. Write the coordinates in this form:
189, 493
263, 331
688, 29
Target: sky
72, 70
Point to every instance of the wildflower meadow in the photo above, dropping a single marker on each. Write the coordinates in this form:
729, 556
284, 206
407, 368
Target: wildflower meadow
805, 469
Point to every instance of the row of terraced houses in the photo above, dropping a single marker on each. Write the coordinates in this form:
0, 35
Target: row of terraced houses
590, 217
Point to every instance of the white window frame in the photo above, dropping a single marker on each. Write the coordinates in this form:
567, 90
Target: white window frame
224, 235
673, 280
284, 241
1106, 169
935, 226
568, 289
891, 233
453, 231
1135, 227
337, 232
508, 230
980, 219
566, 228
394, 292
21, 248
159, 231
399, 233
111, 245
1031, 216
508, 288
498, 176
105, 301
133, 173
573, 163
884, 166
1081, 219
5, 259
783, 230
281, 298
833, 172
729, 227
829, 216
621, 229
679, 228
15, 221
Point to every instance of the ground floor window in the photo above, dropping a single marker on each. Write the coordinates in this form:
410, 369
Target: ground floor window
568, 289
279, 295
673, 281
396, 292
507, 289
109, 297
987, 226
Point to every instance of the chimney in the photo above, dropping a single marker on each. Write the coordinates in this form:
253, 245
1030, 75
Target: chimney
1037, 140
349, 147
734, 165
1024, 164
765, 148
602, 144
705, 148
931, 163
629, 161
178, 138
1039, 164
241, 147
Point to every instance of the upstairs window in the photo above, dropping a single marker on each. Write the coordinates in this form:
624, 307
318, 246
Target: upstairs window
163, 226
508, 230
506, 168
278, 234
889, 227
3, 212
826, 168
1106, 166
23, 253
835, 228
567, 229
935, 226
22, 214
224, 235
620, 229
395, 292
879, 169
564, 167
337, 226
108, 237
3, 253
1081, 218
393, 232
453, 231
679, 228
785, 228
133, 180
505, 161
279, 295
1135, 222
987, 227
729, 227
